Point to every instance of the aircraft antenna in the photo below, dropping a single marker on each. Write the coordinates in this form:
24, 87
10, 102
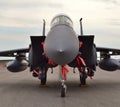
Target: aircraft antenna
81, 28
44, 27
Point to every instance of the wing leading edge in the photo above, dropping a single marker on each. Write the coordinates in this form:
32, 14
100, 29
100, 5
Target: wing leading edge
110, 51
14, 52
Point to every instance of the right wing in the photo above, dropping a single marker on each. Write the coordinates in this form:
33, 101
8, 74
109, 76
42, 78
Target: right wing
14, 52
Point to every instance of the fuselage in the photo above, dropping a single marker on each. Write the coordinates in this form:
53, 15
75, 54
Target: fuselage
61, 43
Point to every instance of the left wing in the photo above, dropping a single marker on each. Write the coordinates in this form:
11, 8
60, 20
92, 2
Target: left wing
107, 52
106, 62
110, 51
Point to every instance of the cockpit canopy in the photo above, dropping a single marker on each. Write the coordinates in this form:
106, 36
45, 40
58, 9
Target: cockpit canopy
61, 19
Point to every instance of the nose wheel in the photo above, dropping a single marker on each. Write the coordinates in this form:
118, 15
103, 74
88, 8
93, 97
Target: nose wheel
63, 89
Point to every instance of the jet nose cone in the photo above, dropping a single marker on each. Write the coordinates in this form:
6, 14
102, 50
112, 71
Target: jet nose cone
60, 51
61, 45
59, 56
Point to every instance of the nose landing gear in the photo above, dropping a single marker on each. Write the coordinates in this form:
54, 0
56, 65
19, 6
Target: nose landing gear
63, 70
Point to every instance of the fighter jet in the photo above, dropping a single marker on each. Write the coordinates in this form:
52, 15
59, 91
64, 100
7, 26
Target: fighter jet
62, 47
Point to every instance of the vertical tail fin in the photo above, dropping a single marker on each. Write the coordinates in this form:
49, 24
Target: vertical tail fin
44, 23
81, 28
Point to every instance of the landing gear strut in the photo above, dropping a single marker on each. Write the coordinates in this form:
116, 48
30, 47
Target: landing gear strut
41, 73
62, 79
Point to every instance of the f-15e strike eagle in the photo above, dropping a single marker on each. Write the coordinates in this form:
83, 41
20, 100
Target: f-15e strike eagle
62, 47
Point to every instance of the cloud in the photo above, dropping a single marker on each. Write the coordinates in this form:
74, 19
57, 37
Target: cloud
27, 13
8, 41
113, 22
21, 31
29, 4
115, 2
21, 18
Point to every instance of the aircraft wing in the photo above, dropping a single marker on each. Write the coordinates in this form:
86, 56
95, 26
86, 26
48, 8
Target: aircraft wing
110, 51
14, 52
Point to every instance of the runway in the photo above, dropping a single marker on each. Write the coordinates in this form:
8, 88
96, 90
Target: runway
22, 90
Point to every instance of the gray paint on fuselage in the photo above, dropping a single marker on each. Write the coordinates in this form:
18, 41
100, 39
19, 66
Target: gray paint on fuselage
61, 44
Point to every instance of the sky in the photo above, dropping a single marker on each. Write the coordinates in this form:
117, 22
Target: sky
19, 19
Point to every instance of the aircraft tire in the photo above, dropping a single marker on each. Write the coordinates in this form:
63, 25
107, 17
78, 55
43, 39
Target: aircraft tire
63, 90
43, 79
83, 77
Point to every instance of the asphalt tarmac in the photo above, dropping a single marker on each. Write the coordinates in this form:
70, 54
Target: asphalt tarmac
22, 90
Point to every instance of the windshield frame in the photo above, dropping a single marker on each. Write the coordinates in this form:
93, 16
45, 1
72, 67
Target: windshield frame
61, 19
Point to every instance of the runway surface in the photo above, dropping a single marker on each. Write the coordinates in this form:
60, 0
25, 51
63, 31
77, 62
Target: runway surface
22, 90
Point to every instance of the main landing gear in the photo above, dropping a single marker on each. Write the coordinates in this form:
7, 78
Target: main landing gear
43, 78
41, 73
83, 77
84, 74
